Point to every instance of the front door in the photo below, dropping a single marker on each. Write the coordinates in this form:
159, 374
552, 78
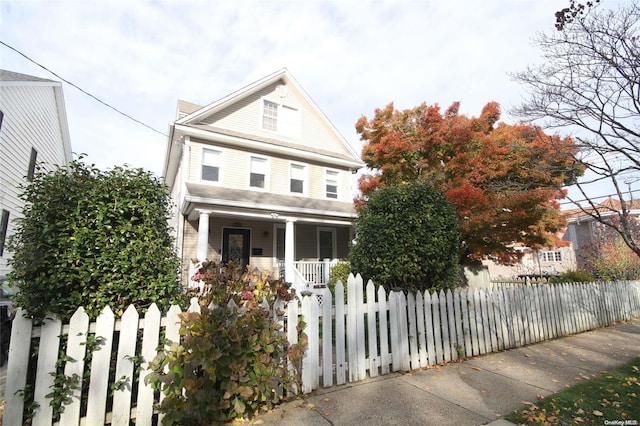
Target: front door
235, 246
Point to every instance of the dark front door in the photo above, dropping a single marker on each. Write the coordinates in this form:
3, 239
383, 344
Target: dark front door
235, 246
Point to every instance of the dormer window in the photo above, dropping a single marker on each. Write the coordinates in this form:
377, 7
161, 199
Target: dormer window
279, 118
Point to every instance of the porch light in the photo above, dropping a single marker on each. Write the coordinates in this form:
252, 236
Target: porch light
274, 215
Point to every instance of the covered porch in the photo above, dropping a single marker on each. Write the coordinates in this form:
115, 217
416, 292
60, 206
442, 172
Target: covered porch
295, 238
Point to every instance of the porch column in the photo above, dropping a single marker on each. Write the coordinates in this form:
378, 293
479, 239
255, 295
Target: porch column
203, 236
289, 251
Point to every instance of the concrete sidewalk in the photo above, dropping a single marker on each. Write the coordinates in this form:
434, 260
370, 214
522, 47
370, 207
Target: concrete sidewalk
474, 392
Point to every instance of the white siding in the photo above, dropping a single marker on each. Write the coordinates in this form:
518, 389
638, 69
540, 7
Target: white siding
31, 119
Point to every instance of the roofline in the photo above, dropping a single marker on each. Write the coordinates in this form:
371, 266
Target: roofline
64, 124
607, 213
283, 74
265, 146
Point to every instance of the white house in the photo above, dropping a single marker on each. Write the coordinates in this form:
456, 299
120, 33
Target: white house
263, 178
33, 130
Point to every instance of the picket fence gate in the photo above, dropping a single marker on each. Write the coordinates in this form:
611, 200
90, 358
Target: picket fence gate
370, 333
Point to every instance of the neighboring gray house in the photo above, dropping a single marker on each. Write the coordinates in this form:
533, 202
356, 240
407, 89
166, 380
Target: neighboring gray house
33, 131
263, 178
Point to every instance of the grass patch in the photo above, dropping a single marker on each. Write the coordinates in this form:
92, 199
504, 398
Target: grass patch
610, 399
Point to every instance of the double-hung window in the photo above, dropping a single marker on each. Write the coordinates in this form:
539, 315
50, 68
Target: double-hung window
270, 116
297, 178
283, 119
259, 171
211, 165
331, 183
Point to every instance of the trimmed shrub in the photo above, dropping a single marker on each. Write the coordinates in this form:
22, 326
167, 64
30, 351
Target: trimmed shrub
407, 236
93, 239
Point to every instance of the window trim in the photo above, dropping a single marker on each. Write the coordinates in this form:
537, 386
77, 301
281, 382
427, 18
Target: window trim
267, 166
326, 183
305, 182
220, 166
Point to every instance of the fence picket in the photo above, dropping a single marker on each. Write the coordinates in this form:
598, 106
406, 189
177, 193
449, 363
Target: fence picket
383, 309
394, 332
310, 357
428, 326
466, 327
124, 367
372, 330
360, 326
403, 332
413, 332
458, 323
493, 330
17, 368
473, 321
451, 320
444, 327
341, 364
327, 339
49, 338
352, 329
422, 343
150, 337
437, 329
99, 377
74, 367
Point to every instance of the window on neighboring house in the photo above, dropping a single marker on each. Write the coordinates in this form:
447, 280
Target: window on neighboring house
297, 179
32, 163
211, 165
332, 183
283, 119
552, 256
4, 225
258, 174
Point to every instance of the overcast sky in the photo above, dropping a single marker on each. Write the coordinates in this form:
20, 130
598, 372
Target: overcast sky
350, 56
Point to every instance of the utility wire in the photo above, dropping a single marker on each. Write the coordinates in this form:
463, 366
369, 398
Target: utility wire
82, 90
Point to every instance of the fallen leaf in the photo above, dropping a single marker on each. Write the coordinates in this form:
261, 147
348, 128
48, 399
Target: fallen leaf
476, 368
597, 413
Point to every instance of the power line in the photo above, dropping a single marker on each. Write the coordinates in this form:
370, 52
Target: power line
83, 91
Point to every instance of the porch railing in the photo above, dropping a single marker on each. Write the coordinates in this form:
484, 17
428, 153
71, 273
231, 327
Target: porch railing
317, 273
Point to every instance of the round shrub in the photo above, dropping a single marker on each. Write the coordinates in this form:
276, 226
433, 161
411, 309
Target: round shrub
407, 236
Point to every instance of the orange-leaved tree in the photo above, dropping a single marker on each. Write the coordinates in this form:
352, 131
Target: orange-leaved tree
504, 180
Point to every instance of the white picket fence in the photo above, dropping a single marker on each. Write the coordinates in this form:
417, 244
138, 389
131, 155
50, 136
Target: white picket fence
371, 333
377, 332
